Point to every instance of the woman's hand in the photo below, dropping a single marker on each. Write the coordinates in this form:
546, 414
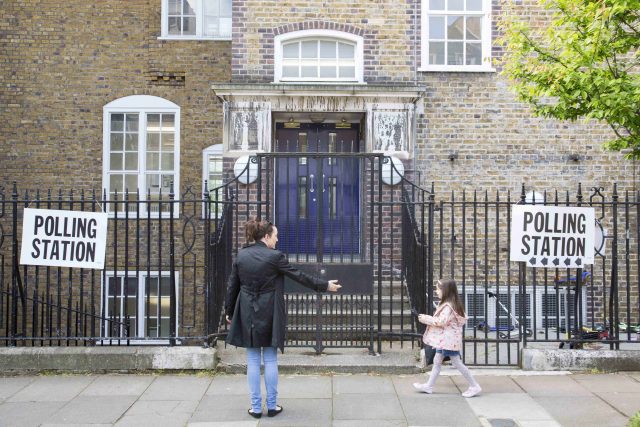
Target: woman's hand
333, 286
425, 319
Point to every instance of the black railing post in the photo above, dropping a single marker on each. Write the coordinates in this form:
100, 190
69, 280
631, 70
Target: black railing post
429, 262
613, 298
172, 273
15, 268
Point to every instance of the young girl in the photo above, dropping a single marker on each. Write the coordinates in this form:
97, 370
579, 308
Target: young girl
444, 333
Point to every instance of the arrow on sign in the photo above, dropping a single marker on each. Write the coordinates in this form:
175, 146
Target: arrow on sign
556, 261
532, 261
544, 261
567, 262
578, 261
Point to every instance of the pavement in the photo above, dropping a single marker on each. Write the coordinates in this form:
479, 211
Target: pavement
510, 398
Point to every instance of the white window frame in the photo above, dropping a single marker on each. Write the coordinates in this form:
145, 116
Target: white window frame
141, 303
164, 27
216, 150
331, 35
486, 41
143, 105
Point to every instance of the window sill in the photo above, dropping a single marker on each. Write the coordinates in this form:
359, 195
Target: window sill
194, 38
457, 69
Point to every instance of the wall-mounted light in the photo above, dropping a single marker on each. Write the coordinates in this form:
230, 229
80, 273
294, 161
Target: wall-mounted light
245, 169
392, 175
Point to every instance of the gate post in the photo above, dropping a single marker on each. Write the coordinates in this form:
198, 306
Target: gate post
172, 273
14, 265
613, 298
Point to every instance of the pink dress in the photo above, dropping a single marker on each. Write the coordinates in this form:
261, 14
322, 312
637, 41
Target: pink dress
444, 330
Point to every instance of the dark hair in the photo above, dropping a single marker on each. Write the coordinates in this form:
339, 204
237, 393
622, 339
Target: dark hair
256, 229
450, 294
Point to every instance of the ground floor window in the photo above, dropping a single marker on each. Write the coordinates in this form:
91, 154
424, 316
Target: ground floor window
142, 298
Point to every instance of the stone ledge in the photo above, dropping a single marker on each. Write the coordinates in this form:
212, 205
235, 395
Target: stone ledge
102, 358
580, 360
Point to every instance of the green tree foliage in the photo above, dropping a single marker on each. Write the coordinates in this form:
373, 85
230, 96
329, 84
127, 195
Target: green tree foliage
582, 63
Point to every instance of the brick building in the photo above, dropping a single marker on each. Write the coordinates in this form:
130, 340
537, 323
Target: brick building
116, 95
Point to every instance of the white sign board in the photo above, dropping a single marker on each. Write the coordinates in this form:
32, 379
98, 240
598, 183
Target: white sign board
64, 238
552, 236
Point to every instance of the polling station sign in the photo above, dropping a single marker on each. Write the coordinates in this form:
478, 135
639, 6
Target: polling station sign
64, 238
552, 236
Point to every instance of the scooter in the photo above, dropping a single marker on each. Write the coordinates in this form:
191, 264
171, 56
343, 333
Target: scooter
484, 326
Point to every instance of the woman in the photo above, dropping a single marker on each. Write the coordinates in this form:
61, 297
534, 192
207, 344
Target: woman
255, 308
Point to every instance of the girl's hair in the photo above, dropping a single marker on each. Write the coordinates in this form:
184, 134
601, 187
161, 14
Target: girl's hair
450, 295
257, 229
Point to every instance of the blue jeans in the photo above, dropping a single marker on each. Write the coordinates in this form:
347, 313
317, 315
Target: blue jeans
270, 358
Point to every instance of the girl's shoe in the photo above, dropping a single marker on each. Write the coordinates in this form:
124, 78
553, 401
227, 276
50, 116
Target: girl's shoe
274, 412
472, 391
254, 414
423, 388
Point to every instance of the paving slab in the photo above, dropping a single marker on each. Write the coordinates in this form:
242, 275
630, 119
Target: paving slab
302, 413
222, 408
368, 423
158, 413
305, 387
582, 411
515, 406
176, 387
404, 385
438, 410
361, 384
601, 383
560, 385
490, 384
228, 385
627, 403
93, 410
26, 414
11, 385
52, 389
118, 385
367, 406
224, 424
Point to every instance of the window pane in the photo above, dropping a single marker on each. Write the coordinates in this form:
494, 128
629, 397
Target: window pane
225, 8
164, 328
131, 142
474, 5
474, 26
165, 286
167, 142
454, 54
455, 4
167, 161
153, 286
474, 54
347, 72
131, 182
327, 49
117, 122
225, 27
436, 53
455, 25
115, 183
189, 7
111, 286
131, 161
309, 71
153, 161
436, 4
132, 122
346, 51
310, 49
174, 7
116, 142
153, 122
328, 72
131, 304
289, 71
168, 123
290, 50
153, 141
174, 26
189, 26
165, 306
436, 27
116, 161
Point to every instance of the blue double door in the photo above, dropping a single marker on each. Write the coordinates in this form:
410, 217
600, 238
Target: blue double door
317, 197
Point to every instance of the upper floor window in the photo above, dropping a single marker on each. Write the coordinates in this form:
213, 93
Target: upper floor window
456, 35
196, 19
318, 55
141, 151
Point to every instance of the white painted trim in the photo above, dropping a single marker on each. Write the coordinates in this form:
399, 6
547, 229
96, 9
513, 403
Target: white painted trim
142, 274
486, 41
317, 35
143, 105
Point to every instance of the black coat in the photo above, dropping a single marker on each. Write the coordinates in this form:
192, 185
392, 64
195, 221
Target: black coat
255, 296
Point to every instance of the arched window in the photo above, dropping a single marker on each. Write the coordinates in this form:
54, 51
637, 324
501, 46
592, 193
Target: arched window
318, 55
141, 148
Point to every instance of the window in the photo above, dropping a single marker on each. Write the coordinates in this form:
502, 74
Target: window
141, 151
456, 35
196, 19
214, 175
318, 55
145, 300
